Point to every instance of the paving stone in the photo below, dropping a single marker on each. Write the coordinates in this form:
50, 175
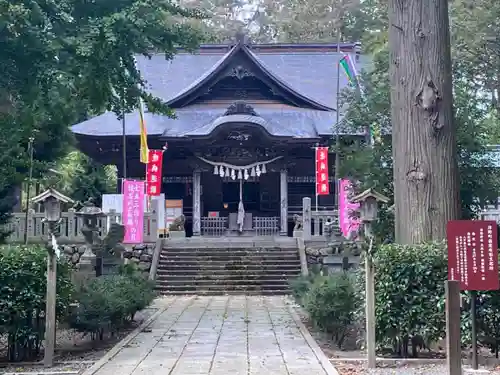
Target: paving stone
115, 369
219, 335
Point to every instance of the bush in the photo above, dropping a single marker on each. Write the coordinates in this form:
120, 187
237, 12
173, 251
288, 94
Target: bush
409, 295
488, 318
108, 303
331, 304
300, 286
22, 298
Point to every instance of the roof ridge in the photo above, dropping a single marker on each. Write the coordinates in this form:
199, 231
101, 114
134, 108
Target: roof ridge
198, 82
279, 80
320, 46
195, 85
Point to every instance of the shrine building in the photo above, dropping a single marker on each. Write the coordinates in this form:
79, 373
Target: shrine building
248, 117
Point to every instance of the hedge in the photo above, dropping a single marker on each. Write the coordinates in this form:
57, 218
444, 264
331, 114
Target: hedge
108, 303
22, 298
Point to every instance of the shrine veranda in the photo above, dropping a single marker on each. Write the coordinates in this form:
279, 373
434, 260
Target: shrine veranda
248, 118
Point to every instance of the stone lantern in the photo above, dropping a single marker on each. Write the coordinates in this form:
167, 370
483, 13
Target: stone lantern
90, 215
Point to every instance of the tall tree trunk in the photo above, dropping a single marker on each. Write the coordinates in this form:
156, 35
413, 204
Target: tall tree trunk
426, 184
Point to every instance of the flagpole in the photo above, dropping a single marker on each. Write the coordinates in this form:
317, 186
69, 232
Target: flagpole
316, 175
337, 135
124, 141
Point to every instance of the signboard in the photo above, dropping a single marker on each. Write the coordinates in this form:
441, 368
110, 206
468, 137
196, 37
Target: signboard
473, 254
348, 222
133, 211
173, 209
153, 172
322, 185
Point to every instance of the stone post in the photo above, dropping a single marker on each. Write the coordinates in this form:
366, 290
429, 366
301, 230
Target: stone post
306, 218
284, 202
196, 203
153, 221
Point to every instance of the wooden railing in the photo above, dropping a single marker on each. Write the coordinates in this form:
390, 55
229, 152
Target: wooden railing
218, 226
70, 228
213, 226
266, 226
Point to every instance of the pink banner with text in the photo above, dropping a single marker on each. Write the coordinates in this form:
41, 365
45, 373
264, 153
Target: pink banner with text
348, 222
133, 211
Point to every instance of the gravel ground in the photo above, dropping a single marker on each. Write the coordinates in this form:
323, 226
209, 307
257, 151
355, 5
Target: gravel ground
388, 368
75, 352
429, 369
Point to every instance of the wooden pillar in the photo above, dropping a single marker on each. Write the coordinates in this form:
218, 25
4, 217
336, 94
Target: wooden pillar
284, 202
370, 312
306, 218
196, 203
119, 178
454, 351
50, 310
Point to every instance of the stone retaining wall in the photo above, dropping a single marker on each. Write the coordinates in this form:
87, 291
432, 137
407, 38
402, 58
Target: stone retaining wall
334, 256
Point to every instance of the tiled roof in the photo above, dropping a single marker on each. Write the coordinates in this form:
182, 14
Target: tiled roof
196, 121
311, 73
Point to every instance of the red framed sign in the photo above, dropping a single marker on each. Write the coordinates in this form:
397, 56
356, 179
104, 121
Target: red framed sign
153, 172
473, 254
322, 185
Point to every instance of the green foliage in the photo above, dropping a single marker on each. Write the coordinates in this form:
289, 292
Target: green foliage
81, 178
107, 303
300, 286
331, 303
372, 165
22, 298
7, 201
488, 317
409, 290
64, 61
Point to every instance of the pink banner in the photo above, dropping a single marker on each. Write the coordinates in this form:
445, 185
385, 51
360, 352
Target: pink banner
133, 211
348, 223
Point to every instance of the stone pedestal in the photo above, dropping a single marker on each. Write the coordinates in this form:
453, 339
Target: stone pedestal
297, 233
177, 234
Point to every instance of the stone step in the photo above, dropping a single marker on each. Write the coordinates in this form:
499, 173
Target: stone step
234, 283
231, 250
225, 277
222, 266
231, 253
222, 289
231, 242
228, 259
190, 272
204, 292
218, 271
225, 266
228, 276
218, 253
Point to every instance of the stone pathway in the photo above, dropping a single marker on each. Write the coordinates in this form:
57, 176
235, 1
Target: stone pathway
222, 335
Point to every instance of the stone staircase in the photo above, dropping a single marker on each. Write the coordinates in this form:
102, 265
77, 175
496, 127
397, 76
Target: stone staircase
227, 270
